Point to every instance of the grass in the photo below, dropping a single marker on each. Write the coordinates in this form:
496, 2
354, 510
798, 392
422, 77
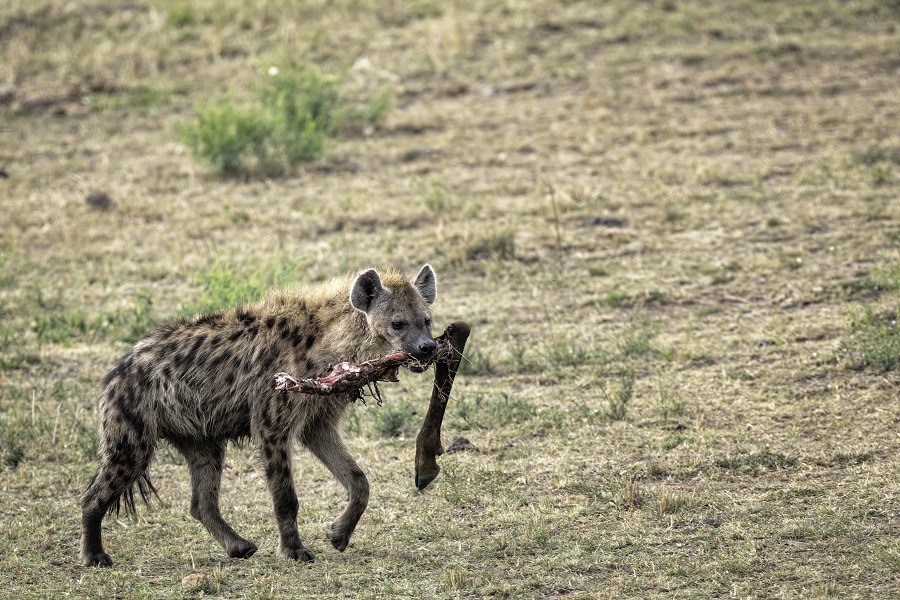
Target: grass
298, 110
875, 340
672, 225
224, 286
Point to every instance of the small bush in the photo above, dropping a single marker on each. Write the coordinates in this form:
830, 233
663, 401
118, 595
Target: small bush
636, 338
298, 110
564, 352
393, 419
875, 340
226, 134
755, 462
616, 400
13, 442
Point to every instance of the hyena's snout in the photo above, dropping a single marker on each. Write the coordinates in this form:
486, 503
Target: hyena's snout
425, 349
422, 350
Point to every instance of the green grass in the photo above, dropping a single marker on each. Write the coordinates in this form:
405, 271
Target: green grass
875, 340
673, 227
298, 110
223, 286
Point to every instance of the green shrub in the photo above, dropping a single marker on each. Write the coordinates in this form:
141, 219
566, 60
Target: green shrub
394, 419
616, 400
875, 340
297, 111
226, 134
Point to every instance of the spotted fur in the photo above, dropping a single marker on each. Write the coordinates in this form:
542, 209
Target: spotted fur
203, 381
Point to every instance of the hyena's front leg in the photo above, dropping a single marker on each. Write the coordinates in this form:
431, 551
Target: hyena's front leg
205, 461
326, 444
277, 462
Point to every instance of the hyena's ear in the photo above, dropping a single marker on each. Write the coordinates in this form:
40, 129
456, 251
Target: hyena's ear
365, 291
426, 283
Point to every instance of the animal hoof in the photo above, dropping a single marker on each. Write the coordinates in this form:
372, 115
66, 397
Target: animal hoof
423, 480
340, 537
340, 542
301, 554
244, 549
96, 559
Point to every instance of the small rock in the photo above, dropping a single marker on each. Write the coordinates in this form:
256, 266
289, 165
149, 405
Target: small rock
608, 222
195, 580
100, 200
460, 444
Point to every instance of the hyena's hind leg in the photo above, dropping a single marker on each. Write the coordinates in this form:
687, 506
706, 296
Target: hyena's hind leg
326, 444
123, 467
205, 461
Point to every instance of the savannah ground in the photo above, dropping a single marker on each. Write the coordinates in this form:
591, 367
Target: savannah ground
673, 226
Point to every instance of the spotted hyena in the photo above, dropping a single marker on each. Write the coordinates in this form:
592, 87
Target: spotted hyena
200, 382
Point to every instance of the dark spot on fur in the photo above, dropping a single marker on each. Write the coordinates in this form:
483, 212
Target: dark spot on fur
266, 420
245, 316
267, 357
198, 343
310, 340
251, 332
182, 362
310, 367
282, 324
143, 377
267, 451
215, 341
234, 335
117, 371
167, 371
211, 319
270, 322
229, 379
216, 360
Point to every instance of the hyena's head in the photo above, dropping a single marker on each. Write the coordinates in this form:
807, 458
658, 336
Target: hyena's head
397, 309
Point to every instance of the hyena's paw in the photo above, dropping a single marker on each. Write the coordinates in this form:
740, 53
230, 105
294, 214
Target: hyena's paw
96, 559
300, 553
241, 549
340, 537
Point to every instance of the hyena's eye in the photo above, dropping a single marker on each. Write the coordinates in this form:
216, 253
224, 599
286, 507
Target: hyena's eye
398, 325
427, 321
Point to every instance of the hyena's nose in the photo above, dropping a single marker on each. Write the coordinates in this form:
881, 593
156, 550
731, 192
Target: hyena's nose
426, 348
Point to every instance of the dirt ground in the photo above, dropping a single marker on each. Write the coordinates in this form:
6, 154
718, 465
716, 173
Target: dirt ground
673, 226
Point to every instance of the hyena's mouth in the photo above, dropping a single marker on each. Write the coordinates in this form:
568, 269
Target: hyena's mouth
417, 366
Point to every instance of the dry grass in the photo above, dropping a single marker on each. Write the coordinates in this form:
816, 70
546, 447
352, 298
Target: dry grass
701, 197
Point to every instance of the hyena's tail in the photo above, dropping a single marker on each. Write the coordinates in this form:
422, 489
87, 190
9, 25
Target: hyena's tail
125, 501
128, 435
127, 442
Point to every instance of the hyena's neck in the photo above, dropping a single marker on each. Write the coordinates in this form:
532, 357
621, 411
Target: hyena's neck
346, 335
331, 329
